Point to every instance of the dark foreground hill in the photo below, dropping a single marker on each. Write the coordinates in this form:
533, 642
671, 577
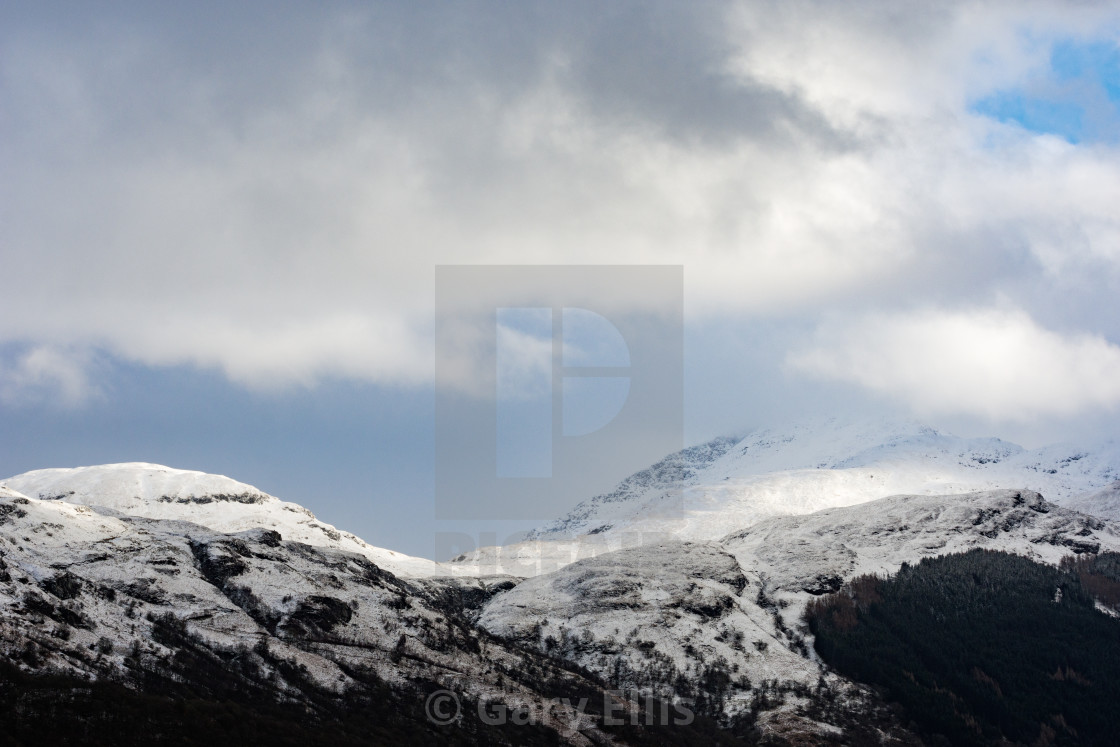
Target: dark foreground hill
985, 647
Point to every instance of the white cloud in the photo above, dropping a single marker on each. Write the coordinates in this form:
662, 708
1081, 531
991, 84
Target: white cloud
877, 65
524, 364
991, 363
47, 375
284, 230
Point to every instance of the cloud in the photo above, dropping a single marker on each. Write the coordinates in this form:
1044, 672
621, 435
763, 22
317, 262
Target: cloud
940, 55
45, 375
524, 359
268, 197
991, 363
1077, 96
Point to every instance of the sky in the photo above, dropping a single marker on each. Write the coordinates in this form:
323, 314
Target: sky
219, 226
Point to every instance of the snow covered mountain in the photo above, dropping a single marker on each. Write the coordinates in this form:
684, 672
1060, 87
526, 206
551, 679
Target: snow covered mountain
686, 584
703, 492
680, 611
156, 492
808, 467
164, 605
1104, 502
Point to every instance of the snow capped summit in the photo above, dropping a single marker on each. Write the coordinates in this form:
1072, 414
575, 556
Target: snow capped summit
728, 484
686, 581
702, 492
153, 491
133, 486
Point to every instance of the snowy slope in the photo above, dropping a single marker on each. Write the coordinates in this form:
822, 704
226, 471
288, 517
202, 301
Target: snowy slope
106, 597
673, 608
813, 554
1104, 503
220, 503
656, 616
91, 559
704, 492
8, 493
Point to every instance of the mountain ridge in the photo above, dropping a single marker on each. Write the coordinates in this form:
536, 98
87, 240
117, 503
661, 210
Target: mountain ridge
705, 615
154, 491
701, 492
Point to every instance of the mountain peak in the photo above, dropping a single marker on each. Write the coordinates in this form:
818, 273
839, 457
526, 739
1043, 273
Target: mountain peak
155, 491
823, 463
131, 485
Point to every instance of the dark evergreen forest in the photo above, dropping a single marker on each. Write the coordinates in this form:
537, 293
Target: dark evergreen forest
985, 647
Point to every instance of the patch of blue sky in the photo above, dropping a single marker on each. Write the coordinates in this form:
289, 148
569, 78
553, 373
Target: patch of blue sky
1077, 98
1098, 62
1044, 116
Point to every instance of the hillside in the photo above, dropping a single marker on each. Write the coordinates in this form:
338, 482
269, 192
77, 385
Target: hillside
729, 612
250, 619
156, 492
983, 648
706, 491
197, 587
